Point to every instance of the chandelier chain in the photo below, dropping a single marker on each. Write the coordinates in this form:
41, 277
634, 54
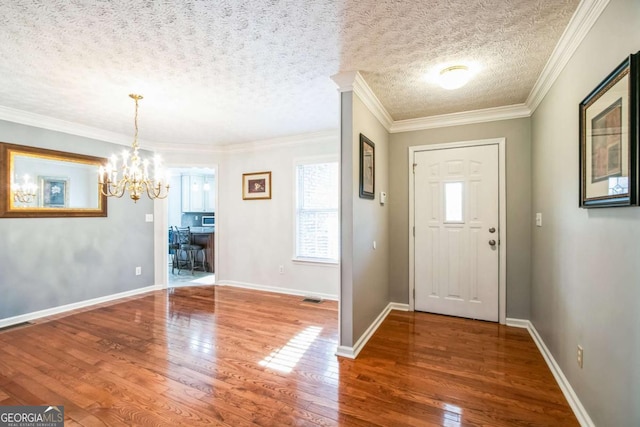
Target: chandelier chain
136, 98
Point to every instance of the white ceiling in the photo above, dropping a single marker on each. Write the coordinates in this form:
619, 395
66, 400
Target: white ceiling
233, 71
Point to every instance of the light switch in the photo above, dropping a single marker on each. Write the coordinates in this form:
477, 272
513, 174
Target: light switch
538, 219
148, 217
383, 197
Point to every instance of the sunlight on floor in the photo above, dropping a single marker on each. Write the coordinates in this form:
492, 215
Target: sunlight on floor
287, 357
206, 280
452, 416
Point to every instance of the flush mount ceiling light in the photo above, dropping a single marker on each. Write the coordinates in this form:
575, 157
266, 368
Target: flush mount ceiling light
454, 77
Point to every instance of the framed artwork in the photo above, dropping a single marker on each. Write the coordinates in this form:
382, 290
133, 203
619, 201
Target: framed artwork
54, 192
609, 139
256, 185
367, 168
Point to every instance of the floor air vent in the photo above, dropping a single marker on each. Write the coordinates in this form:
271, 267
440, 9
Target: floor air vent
314, 300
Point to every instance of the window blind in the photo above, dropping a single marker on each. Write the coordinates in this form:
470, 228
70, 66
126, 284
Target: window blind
317, 202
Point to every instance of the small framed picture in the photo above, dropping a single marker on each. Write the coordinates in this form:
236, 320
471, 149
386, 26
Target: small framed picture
367, 168
54, 192
609, 139
256, 185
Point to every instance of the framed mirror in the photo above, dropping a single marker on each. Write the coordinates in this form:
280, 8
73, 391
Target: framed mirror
40, 183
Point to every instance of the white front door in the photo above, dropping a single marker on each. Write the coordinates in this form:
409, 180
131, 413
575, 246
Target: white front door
456, 231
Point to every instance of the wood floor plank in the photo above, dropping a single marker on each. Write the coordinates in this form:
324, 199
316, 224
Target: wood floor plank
206, 356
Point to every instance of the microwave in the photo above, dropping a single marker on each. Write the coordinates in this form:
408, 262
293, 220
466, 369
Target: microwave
208, 220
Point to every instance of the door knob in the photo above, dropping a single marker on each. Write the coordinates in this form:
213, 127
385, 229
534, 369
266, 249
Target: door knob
492, 242
492, 230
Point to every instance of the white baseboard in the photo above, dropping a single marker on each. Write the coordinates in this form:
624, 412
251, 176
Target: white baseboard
74, 306
398, 306
276, 289
572, 398
518, 323
352, 352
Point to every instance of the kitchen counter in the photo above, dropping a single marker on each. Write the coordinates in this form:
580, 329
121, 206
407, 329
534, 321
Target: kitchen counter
202, 230
204, 236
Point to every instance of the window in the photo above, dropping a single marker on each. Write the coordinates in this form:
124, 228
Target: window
453, 202
317, 216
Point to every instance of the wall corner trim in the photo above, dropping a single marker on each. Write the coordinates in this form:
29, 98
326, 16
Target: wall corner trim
585, 16
352, 81
571, 396
352, 352
74, 306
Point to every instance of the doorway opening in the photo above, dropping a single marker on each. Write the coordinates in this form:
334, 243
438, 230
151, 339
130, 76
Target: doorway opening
191, 231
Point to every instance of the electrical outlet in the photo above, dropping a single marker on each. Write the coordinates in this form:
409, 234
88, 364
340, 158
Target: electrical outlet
138, 271
580, 356
281, 269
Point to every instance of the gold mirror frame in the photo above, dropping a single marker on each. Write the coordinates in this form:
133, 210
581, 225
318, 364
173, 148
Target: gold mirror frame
10, 209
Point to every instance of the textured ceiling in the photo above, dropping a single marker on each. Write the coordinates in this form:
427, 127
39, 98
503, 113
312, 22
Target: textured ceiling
230, 71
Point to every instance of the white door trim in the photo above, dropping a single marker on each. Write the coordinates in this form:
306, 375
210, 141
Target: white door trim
502, 197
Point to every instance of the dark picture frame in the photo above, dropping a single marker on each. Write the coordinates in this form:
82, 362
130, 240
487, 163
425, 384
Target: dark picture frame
609, 139
367, 168
256, 186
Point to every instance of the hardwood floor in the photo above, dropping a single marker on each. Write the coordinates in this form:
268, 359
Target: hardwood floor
205, 356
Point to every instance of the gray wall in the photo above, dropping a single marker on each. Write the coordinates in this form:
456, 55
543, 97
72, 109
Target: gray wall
585, 275
365, 271
49, 262
518, 158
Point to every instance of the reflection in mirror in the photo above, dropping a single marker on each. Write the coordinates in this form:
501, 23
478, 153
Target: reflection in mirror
48, 183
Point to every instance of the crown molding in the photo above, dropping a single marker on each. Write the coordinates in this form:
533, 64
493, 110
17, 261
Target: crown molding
345, 80
330, 136
45, 122
352, 81
464, 118
50, 123
586, 14
186, 148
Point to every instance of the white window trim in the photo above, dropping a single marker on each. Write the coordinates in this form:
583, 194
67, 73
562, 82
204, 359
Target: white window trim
306, 161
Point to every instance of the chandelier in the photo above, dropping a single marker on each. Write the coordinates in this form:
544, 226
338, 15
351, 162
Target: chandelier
25, 192
132, 174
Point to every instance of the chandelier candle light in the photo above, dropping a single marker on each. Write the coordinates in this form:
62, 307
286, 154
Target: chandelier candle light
135, 177
25, 192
